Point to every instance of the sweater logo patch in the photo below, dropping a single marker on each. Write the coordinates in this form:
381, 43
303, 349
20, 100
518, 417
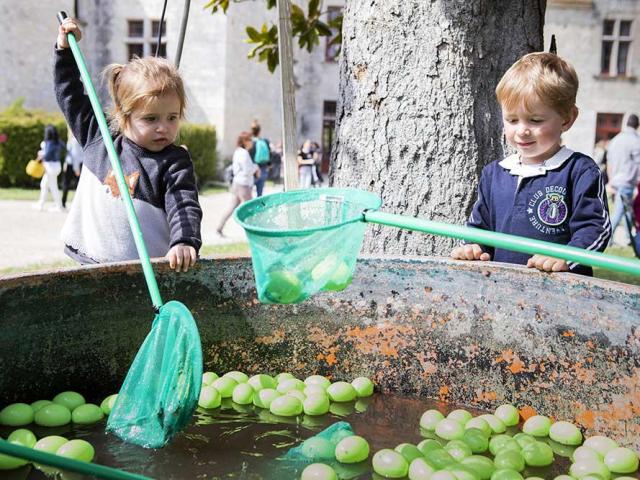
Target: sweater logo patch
548, 210
112, 185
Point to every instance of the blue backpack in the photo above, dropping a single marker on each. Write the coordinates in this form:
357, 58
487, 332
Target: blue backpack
263, 154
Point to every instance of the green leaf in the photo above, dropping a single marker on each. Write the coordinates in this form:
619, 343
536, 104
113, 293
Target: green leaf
323, 29
254, 35
273, 60
313, 8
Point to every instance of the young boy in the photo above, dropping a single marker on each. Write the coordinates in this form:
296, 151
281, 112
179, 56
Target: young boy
544, 191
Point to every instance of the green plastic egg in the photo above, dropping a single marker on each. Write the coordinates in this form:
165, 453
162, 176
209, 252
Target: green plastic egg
289, 384
239, 377
107, 404
537, 425
524, 438
16, 415
38, 404
209, 377
600, 444
509, 459
409, 451
340, 279
586, 453
483, 466
479, 424
508, 414
298, 394
427, 445
54, 415
497, 425
476, 439
583, 468
506, 474
560, 449
565, 433
11, 463
311, 390
419, 469
225, 386
283, 286
318, 471
390, 464
209, 397
462, 472
325, 268
502, 442
430, 419
439, 459
461, 416
87, 414
317, 380
283, 376
443, 475
243, 394
264, 397
23, 437
71, 400
286, 406
352, 449
316, 404
260, 381
537, 454
80, 450
363, 387
450, 429
564, 477
318, 448
50, 444
341, 392
458, 449
621, 460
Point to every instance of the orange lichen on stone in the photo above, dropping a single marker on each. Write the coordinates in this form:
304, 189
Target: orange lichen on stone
568, 333
586, 418
443, 392
517, 366
485, 396
277, 337
527, 412
382, 338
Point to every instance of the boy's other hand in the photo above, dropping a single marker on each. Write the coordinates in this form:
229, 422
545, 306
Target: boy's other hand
181, 257
547, 264
471, 251
68, 25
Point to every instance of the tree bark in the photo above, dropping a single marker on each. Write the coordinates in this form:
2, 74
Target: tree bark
417, 116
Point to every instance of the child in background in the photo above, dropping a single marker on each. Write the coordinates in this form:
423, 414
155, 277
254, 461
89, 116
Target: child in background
149, 102
544, 191
51, 155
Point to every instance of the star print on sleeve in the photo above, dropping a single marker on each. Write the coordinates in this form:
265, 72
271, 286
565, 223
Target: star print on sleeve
112, 184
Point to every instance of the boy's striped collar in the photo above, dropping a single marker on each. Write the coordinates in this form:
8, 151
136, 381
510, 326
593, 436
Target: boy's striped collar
513, 164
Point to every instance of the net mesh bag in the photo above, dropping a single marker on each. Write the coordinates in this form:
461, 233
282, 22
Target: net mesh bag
161, 390
305, 241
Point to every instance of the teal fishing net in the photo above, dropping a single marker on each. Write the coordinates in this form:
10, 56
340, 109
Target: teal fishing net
305, 241
161, 390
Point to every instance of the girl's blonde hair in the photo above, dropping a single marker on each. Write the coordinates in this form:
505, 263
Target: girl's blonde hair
539, 76
136, 83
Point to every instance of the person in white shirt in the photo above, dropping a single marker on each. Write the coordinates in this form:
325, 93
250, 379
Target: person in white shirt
244, 172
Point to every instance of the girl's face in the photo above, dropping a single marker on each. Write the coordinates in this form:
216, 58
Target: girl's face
155, 125
535, 132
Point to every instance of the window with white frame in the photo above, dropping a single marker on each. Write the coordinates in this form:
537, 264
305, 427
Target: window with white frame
142, 38
616, 47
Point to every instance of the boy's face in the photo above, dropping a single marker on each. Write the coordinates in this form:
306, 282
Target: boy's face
535, 132
155, 125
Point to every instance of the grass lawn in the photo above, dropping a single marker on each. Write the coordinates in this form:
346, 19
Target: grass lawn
618, 277
27, 194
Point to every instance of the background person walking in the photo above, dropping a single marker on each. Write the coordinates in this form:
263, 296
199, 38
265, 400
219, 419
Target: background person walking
51, 154
72, 165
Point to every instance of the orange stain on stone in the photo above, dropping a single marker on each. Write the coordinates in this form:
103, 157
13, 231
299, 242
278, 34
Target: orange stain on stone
486, 396
517, 366
443, 392
381, 338
586, 418
277, 337
527, 412
568, 333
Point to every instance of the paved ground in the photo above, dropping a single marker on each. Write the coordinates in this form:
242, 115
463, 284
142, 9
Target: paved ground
32, 237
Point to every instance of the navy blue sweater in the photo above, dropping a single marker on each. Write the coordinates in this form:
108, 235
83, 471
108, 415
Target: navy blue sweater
561, 201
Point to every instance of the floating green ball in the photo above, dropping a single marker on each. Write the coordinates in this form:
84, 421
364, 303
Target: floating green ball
537, 425
502, 442
443, 475
209, 397
621, 460
583, 468
264, 397
23, 437
565, 433
71, 400
318, 471
497, 425
537, 454
260, 381
317, 380
352, 449
460, 415
38, 404
428, 444
54, 415
316, 404
564, 477
586, 453
409, 451
342, 409
476, 439
524, 438
560, 449
506, 474
16, 415
80, 450
363, 387
225, 386
283, 286
298, 394
289, 384
11, 463
311, 390
462, 472
390, 464
325, 268
87, 414
318, 448
419, 469
286, 406
600, 444
479, 424
430, 419
107, 404
243, 394
509, 415
239, 377
341, 392
439, 459
483, 466
209, 377
340, 279
50, 444
450, 429
509, 459
283, 376
458, 449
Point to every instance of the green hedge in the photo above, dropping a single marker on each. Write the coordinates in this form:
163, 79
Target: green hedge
24, 130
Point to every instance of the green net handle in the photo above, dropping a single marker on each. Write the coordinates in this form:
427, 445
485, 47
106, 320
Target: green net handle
115, 165
64, 463
507, 242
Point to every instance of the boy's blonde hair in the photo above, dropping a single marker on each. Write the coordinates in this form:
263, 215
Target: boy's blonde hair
138, 82
539, 76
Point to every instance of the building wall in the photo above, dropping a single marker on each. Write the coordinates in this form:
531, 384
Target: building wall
578, 29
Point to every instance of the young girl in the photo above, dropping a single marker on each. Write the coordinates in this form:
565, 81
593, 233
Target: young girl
149, 102
51, 154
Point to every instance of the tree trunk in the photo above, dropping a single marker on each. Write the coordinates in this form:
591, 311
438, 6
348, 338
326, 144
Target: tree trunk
417, 117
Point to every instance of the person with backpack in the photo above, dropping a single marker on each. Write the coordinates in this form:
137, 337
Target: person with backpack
261, 156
